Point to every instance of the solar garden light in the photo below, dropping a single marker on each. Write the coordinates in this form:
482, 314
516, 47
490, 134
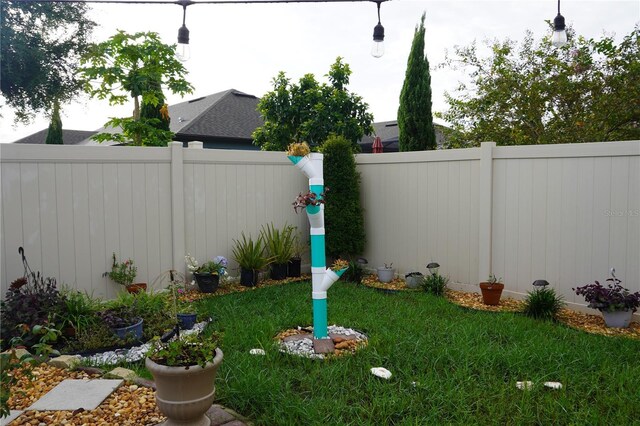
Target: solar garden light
433, 267
559, 37
539, 284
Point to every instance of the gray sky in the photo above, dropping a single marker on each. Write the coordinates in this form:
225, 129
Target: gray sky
244, 46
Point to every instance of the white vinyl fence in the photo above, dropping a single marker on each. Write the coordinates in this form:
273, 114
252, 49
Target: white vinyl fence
565, 213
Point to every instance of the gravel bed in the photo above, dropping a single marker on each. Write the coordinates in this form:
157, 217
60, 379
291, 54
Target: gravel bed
133, 354
304, 346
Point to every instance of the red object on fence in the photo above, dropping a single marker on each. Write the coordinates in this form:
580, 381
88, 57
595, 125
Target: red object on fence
377, 145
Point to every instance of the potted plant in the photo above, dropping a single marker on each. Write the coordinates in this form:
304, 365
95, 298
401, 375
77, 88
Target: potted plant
491, 290
251, 258
295, 263
184, 371
279, 246
185, 314
207, 275
616, 303
298, 149
312, 203
385, 273
414, 279
123, 320
124, 273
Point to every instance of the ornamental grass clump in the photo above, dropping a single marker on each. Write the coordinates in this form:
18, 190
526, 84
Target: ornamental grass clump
612, 298
543, 304
435, 284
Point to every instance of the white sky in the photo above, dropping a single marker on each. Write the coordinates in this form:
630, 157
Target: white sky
244, 46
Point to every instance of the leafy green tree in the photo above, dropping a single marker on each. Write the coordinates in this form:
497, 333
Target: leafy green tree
54, 135
40, 47
158, 114
534, 93
134, 66
344, 220
415, 121
310, 111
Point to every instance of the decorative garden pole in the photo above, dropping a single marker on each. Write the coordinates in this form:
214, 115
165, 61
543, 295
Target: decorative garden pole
321, 277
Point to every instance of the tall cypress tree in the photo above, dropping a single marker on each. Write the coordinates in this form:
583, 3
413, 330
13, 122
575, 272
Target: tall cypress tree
54, 135
415, 121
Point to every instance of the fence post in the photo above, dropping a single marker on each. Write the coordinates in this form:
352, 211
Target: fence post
485, 212
177, 205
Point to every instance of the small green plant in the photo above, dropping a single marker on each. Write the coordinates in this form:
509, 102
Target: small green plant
79, 311
493, 280
543, 304
122, 273
250, 254
435, 284
184, 352
355, 273
9, 363
119, 317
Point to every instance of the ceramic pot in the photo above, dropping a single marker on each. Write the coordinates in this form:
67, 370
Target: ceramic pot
385, 275
491, 293
186, 321
184, 394
134, 330
617, 319
207, 283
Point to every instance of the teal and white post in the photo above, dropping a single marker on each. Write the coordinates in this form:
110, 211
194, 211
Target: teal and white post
321, 277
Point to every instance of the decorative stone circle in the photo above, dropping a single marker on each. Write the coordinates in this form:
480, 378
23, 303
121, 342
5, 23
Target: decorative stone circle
300, 342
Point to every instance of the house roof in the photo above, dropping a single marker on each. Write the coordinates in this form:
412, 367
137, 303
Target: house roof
389, 133
69, 137
229, 114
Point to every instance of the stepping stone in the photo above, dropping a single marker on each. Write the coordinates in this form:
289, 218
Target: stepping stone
72, 394
323, 346
13, 414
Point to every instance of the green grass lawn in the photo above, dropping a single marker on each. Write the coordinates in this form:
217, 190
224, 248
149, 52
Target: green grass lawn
450, 365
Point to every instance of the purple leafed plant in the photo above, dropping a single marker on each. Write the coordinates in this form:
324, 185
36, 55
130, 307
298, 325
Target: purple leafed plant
308, 199
611, 298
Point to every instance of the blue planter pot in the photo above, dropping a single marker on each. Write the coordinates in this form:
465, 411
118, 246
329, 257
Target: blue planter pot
134, 331
186, 321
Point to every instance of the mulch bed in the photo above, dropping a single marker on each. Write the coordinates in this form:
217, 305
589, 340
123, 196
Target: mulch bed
229, 288
397, 284
577, 320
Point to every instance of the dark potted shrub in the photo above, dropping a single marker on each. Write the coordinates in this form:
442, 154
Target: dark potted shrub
184, 371
295, 263
251, 258
279, 246
207, 275
124, 321
491, 290
124, 273
616, 303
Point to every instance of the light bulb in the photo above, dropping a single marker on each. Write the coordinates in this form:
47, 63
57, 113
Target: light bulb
377, 50
183, 52
559, 38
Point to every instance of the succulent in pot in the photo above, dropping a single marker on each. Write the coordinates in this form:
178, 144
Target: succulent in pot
616, 303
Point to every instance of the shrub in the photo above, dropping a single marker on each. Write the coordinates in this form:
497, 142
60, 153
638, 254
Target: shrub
435, 284
612, 298
31, 300
543, 304
344, 222
354, 274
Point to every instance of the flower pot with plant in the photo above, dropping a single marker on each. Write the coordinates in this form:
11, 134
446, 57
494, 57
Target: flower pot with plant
414, 279
279, 247
207, 275
184, 371
186, 315
385, 273
124, 321
491, 290
250, 256
124, 273
312, 203
616, 303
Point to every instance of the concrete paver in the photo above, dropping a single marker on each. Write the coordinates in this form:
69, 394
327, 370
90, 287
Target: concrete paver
13, 414
87, 394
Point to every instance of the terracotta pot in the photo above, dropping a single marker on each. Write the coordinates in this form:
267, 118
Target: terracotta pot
137, 288
491, 293
184, 394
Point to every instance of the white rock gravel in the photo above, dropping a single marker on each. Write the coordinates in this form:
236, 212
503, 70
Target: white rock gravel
304, 347
135, 353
